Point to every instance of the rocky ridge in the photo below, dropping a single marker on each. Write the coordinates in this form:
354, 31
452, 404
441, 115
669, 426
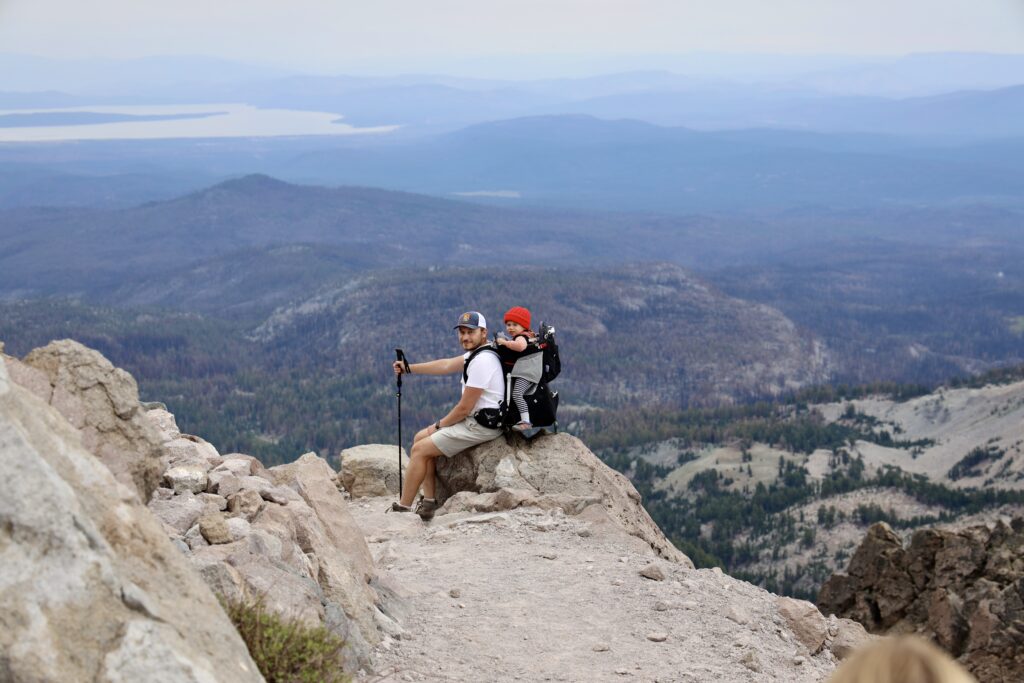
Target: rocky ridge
91, 587
963, 588
537, 539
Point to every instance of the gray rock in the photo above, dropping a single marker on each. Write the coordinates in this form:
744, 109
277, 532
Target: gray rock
371, 470
100, 401
653, 571
281, 495
245, 503
179, 512
849, 637
238, 528
189, 449
223, 482
657, 636
91, 588
212, 502
556, 465
324, 527
805, 621
190, 477
214, 528
194, 538
223, 579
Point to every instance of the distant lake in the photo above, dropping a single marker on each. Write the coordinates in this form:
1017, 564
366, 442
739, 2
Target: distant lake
184, 121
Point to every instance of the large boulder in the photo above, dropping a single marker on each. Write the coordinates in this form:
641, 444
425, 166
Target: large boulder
325, 529
102, 402
963, 588
91, 588
371, 470
553, 470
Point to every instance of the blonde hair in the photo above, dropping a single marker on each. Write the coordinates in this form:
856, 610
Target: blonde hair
901, 659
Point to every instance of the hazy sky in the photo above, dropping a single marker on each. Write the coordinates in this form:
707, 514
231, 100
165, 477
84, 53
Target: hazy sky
330, 34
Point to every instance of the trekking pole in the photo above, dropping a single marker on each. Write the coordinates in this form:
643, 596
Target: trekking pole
400, 355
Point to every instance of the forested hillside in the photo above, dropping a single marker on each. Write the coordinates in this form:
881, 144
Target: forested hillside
316, 374
779, 493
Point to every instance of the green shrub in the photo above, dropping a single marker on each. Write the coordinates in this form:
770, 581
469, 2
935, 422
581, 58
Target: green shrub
284, 648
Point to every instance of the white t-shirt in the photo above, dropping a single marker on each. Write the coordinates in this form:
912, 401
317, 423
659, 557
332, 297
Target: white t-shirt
485, 373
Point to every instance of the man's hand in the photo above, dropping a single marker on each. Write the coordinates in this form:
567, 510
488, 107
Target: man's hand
399, 367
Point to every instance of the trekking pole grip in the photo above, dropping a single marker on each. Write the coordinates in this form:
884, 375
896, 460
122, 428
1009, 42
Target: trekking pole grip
400, 357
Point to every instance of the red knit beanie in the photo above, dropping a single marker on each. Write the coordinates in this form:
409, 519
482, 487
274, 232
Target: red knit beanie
518, 314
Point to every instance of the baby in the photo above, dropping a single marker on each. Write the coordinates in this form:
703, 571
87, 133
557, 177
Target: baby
517, 326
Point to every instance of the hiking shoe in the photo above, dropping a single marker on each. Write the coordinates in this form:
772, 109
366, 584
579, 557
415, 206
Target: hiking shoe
426, 508
398, 507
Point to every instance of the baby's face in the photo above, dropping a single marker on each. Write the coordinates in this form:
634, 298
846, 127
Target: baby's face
513, 328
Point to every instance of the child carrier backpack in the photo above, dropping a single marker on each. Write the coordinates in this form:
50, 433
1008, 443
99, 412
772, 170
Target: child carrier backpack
492, 418
538, 364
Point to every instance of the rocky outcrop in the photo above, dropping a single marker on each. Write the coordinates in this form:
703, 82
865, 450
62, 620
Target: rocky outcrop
964, 589
99, 400
284, 534
91, 588
549, 471
371, 470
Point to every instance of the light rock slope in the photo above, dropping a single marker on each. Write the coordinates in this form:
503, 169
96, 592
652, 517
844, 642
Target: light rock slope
552, 471
91, 588
528, 594
99, 400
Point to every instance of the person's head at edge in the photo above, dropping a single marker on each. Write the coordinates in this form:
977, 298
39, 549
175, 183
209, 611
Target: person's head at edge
900, 659
472, 329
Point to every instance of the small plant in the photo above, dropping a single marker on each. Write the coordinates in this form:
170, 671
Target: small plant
285, 649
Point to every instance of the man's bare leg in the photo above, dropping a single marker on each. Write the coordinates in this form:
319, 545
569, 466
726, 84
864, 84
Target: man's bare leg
430, 481
421, 469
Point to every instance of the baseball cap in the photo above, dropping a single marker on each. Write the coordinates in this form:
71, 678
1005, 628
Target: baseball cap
472, 320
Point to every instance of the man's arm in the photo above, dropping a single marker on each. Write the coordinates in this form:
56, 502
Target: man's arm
441, 366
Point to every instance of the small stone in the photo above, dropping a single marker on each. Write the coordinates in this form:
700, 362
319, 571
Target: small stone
584, 533
622, 671
688, 604
455, 593
190, 477
462, 605
616, 582
657, 637
653, 571
239, 528
245, 503
661, 606
194, 538
799, 660
549, 556
214, 529
601, 647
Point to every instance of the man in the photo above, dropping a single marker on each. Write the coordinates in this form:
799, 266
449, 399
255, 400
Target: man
483, 388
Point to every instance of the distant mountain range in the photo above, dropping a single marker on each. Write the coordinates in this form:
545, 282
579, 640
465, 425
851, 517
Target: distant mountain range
915, 294
577, 162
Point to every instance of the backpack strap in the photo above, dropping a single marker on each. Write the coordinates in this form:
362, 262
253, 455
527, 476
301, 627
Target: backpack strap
473, 354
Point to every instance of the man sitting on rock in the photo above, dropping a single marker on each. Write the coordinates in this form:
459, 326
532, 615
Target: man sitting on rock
473, 420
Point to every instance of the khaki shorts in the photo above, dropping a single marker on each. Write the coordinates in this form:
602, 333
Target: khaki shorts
456, 438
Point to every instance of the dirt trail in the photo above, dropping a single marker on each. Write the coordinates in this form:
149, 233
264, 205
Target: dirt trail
528, 595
